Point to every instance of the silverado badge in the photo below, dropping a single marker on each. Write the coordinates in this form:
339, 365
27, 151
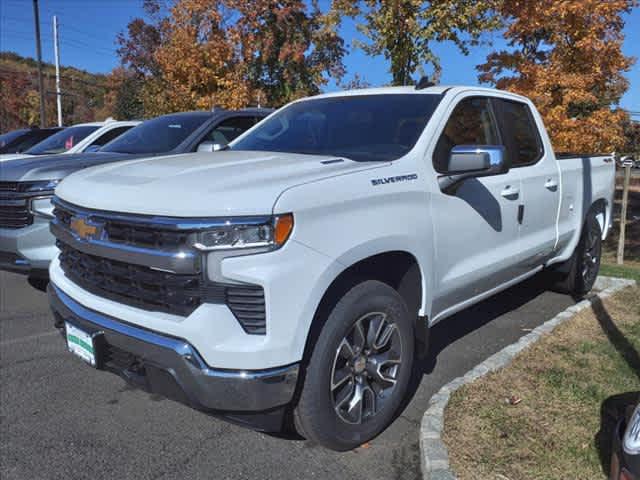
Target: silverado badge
82, 228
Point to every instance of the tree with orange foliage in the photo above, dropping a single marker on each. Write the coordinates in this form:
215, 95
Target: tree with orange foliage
567, 58
230, 53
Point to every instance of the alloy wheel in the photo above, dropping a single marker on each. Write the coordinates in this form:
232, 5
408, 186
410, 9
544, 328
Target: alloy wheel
366, 367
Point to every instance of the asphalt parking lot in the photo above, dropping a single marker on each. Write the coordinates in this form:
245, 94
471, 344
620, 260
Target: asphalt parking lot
61, 419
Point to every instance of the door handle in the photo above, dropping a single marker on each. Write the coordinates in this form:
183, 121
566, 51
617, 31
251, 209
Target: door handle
551, 184
510, 192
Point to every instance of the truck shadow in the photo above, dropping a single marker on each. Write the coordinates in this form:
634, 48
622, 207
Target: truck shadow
614, 408
445, 333
462, 323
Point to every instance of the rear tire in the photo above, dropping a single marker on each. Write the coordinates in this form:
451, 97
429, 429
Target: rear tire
359, 370
584, 264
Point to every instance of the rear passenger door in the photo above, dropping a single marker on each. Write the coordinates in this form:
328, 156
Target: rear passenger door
476, 228
539, 179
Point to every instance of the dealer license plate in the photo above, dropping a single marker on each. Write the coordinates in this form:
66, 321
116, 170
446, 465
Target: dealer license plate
81, 344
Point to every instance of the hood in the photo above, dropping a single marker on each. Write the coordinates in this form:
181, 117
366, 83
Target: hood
201, 184
12, 156
54, 167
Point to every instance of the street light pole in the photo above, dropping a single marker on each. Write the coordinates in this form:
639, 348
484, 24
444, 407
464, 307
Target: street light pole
56, 51
36, 16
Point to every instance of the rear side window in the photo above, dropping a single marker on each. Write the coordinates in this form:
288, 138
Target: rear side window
158, 135
519, 131
110, 135
471, 123
230, 129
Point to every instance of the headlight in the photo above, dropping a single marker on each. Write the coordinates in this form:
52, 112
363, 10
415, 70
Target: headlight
631, 438
265, 233
40, 193
40, 186
42, 206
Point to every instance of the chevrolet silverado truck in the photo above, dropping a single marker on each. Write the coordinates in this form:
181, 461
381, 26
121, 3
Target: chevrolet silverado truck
27, 184
292, 280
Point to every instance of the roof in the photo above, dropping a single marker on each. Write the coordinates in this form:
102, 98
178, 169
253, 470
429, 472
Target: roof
438, 89
435, 90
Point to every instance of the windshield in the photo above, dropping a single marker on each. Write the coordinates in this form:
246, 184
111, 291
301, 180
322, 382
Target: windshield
359, 127
158, 135
62, 141
9, 137
26, 140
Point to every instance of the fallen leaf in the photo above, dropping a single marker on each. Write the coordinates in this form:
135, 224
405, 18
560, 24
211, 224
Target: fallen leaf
514, 400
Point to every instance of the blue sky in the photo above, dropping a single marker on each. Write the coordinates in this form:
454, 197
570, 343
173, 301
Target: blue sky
88, 29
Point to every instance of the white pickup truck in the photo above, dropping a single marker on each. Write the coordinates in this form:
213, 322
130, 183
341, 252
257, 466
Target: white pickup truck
295, 276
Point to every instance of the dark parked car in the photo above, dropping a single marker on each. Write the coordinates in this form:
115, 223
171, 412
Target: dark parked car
26, 185
20, 140
625, 457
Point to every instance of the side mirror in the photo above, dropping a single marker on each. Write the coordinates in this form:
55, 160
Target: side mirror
92, 148
210, 147
472, 161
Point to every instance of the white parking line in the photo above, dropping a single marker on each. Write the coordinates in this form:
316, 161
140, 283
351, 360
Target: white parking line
27, 338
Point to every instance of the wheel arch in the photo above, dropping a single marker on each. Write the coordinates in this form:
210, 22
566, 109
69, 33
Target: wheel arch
602, 211
399, 269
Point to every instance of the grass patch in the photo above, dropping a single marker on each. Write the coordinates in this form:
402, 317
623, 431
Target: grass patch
565, 382
622, 271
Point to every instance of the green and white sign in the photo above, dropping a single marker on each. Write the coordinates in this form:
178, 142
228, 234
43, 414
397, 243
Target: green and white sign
80, 343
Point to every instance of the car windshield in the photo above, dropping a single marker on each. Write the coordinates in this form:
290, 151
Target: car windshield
26, 140
363, 128
63, 140
9, 137
158, 135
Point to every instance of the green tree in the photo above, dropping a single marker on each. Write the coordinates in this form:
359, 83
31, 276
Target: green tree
404, 30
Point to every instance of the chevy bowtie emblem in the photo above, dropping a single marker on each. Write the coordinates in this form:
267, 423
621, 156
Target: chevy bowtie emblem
83, 229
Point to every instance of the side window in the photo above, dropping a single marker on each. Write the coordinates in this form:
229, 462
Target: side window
471, 123
519, 132
108, 136
229, 129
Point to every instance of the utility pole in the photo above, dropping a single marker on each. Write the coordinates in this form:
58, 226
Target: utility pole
56, 51
36, 16
623, 213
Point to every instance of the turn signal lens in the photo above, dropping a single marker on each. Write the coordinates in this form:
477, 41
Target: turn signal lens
283, 228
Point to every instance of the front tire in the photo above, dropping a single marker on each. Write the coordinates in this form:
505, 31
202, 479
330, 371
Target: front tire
359, 370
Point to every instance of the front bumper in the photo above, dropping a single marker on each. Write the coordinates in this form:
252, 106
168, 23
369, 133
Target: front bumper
172, 367
27, 250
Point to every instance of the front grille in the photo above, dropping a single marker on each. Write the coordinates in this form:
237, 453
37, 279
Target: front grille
144, 236
135, 285
9, 186
15, 216
149, 289
14, 206
139, 235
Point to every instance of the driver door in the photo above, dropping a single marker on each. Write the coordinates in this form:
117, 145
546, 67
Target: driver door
476, 227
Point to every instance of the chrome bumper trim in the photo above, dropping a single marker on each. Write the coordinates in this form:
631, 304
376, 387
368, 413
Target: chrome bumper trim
203, 387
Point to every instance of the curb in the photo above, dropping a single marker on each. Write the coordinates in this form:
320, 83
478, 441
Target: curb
435, 458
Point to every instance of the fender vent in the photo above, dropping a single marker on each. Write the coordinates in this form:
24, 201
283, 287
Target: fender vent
247, 304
